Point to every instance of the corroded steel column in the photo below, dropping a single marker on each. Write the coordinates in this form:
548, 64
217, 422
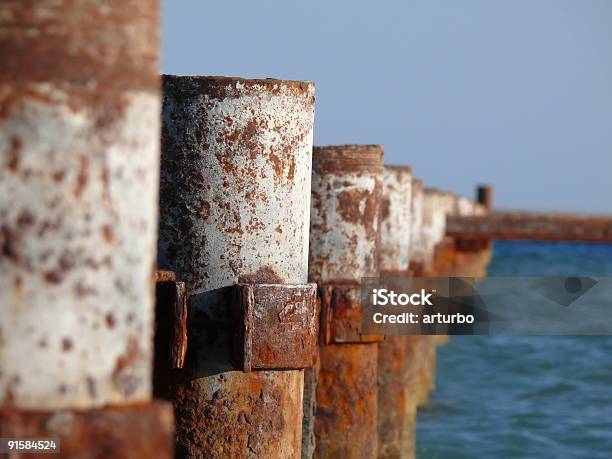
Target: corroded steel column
419, 348
416, 227
434, 223
79, 153
344, 240
235, 207
424, 347
395, 225
472, 255
444, 253
447, 202
395, 413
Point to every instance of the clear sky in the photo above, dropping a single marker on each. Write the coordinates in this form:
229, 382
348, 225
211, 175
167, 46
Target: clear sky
515, 93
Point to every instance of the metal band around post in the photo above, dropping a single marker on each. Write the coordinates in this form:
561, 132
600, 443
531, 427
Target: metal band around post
275, 326
341, 315
111, 432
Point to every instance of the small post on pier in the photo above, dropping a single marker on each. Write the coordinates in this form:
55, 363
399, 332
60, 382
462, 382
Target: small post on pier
484, 196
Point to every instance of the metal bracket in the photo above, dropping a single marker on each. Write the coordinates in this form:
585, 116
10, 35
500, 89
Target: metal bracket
275, 326
341, 315
170, 319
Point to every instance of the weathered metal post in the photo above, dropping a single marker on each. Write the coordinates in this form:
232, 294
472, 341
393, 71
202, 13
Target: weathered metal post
395, 416
416, 228
472, 255
435, 206
484, 196
434, 224
235, 209
344, 239
79, 153
396, 218
444, 250
420, 350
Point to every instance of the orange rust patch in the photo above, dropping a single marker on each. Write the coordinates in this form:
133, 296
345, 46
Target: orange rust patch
264, 275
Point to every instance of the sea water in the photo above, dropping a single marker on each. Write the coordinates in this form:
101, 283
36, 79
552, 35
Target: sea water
524, 397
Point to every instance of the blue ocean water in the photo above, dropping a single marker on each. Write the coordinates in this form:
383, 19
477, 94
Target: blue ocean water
524, 397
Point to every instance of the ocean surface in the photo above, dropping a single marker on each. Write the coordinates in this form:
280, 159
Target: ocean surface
524, 397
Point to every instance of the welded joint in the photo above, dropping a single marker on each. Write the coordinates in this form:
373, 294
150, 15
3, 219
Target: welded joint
171, 317
341, 315
275, 326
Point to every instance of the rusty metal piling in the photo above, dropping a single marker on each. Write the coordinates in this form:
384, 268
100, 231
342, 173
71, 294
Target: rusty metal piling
79, 152
396, 220
420, 349
396, 410
235, 210
344, 248
416, 228
435, 205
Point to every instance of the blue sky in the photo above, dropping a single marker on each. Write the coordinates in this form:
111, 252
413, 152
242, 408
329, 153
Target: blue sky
515, 93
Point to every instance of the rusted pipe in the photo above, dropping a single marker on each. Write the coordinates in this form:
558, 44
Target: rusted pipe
395, 396
79, 153
416, 228
434, 224
395, 226
344, 248
436, 205
79, 142
235, 207
78, 202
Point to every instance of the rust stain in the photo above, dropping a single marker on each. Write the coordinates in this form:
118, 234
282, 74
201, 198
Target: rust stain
99, 53
13, 155
9, 244
264, 275
107, 233
82, 177
250, 413
345, 423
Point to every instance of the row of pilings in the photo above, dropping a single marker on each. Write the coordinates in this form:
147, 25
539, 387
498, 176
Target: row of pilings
261, 242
